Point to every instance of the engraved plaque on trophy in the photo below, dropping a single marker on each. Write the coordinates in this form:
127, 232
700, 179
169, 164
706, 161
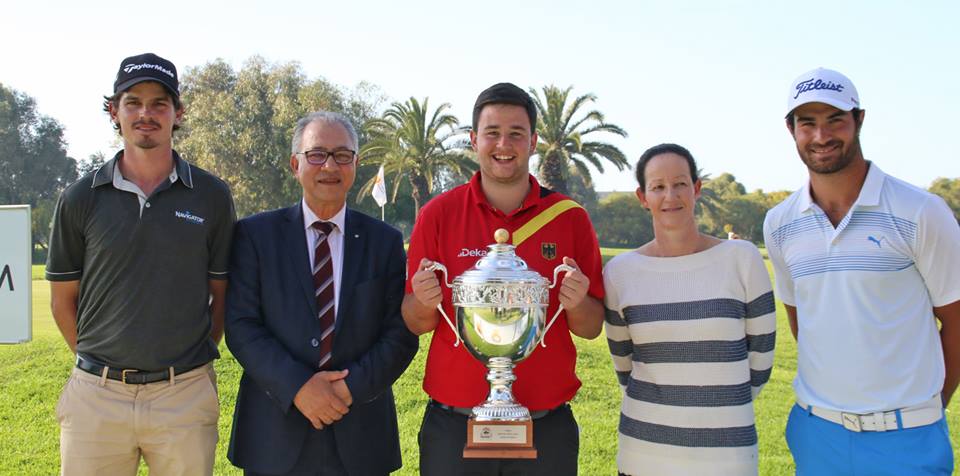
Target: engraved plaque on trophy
501, 317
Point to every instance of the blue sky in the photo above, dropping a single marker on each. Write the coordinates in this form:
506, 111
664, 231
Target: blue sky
712, 76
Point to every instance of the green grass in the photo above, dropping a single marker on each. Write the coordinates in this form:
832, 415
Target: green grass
605, 253
32, 375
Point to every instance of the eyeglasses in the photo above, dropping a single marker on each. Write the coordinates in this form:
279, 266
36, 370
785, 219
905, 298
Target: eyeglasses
320, 156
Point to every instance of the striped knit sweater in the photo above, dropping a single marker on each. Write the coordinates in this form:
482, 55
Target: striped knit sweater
692, 342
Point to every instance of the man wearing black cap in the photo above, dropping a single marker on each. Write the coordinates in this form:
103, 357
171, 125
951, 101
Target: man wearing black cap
137, 270
547, 229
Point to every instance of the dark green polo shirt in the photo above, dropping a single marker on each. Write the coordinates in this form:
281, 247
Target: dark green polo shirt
143, 276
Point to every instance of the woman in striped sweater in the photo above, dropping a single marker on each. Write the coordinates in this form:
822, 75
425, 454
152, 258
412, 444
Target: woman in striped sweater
691, 326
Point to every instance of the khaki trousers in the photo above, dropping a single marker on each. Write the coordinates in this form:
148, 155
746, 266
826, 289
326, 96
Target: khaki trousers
106, 425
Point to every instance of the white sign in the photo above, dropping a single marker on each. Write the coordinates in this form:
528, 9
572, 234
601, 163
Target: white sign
15, 274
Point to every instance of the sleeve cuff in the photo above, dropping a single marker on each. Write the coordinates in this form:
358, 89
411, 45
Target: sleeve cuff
68, 276
219, 275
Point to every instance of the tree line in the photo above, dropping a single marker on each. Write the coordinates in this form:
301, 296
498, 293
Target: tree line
239, 123
724, 207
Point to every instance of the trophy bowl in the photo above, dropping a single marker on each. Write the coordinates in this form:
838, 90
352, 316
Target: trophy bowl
491, 332
501, 308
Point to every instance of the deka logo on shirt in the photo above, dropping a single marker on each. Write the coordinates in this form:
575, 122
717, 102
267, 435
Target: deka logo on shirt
468, 253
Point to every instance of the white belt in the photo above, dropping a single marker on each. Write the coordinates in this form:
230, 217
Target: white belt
925, 413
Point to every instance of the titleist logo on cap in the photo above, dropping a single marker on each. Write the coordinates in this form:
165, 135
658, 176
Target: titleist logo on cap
135, 67
811, 84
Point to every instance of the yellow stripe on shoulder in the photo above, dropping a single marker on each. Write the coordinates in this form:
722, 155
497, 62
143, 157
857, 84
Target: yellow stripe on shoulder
538, 222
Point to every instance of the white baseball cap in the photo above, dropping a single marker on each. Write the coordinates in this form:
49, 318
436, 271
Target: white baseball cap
823, 85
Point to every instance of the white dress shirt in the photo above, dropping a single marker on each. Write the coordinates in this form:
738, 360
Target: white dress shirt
335, 240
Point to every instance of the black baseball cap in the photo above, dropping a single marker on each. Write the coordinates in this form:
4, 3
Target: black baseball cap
147, 67
505, 93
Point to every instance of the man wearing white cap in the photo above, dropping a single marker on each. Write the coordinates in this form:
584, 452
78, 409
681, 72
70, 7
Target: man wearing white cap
865, 265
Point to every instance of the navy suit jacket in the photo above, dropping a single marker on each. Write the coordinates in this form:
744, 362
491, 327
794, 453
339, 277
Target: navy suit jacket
271, 324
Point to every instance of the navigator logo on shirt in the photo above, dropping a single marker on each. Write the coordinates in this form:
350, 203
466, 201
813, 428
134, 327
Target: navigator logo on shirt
189, 217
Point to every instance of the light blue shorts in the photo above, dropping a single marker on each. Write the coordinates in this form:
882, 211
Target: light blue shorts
824, 448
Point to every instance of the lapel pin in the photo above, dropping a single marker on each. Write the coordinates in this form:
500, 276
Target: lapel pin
356, 236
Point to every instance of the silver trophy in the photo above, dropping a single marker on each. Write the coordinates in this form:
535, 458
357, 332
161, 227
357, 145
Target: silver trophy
501, 316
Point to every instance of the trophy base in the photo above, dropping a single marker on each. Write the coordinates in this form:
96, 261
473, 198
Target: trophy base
499, 439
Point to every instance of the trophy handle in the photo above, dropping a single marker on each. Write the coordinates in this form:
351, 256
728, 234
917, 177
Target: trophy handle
556, 273
443, 269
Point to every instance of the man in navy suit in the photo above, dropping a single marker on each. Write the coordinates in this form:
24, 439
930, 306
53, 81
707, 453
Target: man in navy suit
313, 316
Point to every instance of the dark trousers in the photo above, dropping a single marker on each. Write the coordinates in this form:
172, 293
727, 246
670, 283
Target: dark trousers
318, 457
443, 435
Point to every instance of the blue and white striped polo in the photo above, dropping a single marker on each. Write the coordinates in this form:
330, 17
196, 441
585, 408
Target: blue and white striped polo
864, 293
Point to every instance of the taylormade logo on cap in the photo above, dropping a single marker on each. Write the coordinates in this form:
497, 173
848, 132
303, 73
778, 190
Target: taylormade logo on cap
136, 67
825, 86
147, 67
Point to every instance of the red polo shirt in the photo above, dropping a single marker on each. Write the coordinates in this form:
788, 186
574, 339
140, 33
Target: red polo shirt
454, 229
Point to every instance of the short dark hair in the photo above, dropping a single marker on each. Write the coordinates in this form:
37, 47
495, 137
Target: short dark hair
115, 101
656, 150
855, 111
505, 93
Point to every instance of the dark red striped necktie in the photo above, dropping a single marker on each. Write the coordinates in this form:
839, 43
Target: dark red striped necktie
324, 290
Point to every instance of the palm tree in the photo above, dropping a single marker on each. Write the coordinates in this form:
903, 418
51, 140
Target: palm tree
562, 130
414, 145
709, 207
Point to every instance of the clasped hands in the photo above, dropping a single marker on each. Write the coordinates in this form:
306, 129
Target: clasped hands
573, 287
324, 398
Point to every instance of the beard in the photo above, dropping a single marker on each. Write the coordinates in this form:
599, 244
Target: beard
848, 152
145, 141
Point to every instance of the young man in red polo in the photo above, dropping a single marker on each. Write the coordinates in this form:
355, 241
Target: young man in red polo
547, 229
